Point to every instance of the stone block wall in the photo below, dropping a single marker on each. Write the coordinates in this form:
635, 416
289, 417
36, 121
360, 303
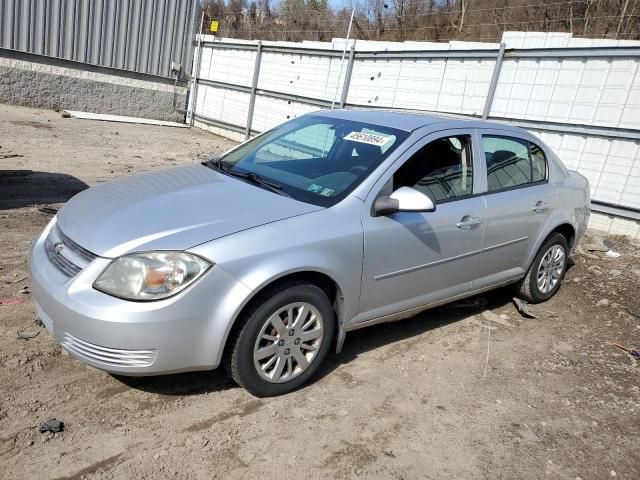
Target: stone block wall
52, 84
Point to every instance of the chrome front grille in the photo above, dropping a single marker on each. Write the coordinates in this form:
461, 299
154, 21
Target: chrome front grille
108, 356
83, 253
66, 255
61, 263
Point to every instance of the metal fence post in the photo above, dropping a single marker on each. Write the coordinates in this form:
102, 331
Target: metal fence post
347, 77
192, 106
254, 86
494, 82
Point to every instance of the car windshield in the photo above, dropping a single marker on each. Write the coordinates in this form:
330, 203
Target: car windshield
314, 159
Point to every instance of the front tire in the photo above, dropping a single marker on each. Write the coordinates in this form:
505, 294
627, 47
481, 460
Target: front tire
284, 336
547, 270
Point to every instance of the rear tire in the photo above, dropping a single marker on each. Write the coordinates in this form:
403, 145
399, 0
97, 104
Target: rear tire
285, 335
545, 275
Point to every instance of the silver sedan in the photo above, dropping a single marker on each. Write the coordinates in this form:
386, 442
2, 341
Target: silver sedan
263, 259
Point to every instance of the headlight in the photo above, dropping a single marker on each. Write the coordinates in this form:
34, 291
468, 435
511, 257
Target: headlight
150, 275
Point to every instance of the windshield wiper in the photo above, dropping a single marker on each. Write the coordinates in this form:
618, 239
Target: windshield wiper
217, 164
260, 181
254, 178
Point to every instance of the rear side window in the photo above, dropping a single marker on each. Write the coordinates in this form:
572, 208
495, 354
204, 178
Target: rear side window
512, 162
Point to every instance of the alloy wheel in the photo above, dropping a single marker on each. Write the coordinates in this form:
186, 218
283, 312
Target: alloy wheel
288, 342
550, 269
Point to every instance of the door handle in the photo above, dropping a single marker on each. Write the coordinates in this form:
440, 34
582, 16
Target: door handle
540, 207
467, 222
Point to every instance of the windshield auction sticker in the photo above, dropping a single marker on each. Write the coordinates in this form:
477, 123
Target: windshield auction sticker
369, 138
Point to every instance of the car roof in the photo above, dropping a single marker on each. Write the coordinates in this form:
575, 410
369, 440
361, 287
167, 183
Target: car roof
410, 121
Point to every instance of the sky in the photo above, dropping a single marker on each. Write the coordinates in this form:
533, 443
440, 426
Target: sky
338, 4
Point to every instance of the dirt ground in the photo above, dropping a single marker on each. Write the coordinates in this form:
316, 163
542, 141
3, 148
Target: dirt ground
471, 390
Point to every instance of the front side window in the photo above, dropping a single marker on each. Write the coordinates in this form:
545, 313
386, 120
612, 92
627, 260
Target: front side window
442, 169
512, 162
316, 159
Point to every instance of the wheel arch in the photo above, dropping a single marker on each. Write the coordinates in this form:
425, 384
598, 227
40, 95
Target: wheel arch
564, 228
568, 231
316, 277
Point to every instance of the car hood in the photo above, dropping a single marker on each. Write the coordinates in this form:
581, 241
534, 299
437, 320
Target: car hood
171, 209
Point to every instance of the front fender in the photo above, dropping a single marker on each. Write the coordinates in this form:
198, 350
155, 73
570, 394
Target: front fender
327, 241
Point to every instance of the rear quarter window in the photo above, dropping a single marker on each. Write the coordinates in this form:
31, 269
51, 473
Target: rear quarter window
538, 163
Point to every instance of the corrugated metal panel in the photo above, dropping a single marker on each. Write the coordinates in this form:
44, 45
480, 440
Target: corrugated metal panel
143, 36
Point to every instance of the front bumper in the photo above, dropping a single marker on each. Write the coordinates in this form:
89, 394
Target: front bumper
184, 332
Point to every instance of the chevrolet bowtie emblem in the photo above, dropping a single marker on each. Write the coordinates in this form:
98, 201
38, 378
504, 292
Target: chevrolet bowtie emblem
58, 247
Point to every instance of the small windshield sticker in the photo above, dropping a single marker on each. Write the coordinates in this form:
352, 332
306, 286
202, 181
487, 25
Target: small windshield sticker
320, 190
369, 138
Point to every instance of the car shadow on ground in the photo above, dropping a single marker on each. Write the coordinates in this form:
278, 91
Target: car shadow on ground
357, 342
181, 384
25, 188
370, 338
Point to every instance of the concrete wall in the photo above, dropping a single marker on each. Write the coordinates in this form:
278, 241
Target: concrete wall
44, 82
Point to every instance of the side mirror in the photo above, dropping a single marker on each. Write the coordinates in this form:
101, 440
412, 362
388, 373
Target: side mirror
405, 199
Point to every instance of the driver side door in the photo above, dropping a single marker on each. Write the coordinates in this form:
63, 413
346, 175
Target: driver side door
413, 259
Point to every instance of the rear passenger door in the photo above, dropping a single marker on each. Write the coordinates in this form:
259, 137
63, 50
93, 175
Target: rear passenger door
519, 200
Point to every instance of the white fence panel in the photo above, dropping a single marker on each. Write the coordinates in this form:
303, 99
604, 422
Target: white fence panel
227, 65
227, 105
299, 74
586, 108
270, 112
